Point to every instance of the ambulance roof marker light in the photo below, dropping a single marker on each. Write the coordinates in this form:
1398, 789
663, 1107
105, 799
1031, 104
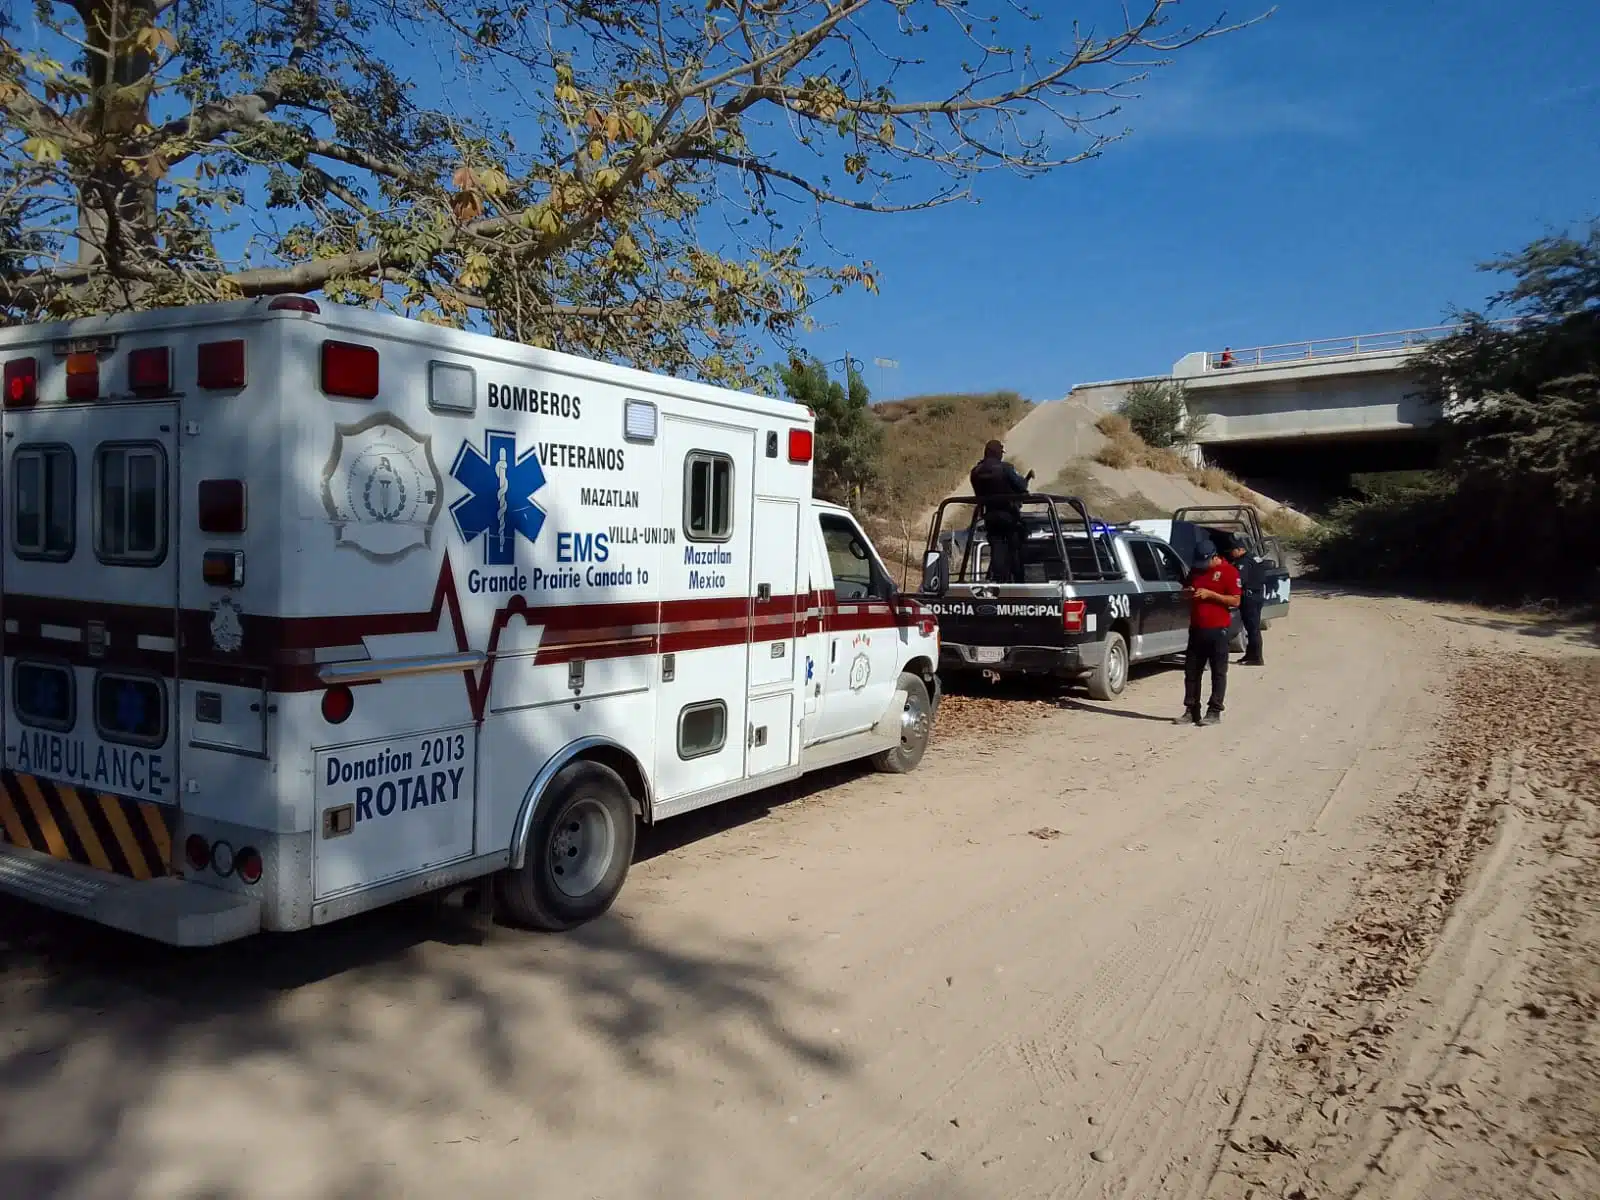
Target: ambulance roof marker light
150, 371
349, 370
219, 366
304, 304
83, 376
21, 383
800, 445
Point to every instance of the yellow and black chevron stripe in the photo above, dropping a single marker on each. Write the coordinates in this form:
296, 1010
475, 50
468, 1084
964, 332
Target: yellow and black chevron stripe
97, 829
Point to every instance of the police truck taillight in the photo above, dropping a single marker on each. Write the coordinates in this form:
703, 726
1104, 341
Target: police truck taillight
220, 365
150, 371
22, 383
349, 370
1072, 615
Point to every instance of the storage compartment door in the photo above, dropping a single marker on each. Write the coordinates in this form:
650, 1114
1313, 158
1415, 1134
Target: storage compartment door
770, 738
394, 807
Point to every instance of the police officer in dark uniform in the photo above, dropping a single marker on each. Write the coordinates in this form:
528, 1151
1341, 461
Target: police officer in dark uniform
993, 479
1253, 581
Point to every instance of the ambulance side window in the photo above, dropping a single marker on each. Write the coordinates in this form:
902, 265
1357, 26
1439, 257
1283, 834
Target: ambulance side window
42, 695
130, 517
702, 729
707, 496
43, 502
130, 708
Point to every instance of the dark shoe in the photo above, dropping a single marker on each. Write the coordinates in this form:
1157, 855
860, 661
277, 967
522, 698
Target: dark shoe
1212, 717
1191, 716
1249, 662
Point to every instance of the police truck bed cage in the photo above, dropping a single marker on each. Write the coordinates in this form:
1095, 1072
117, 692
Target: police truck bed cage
1061, 540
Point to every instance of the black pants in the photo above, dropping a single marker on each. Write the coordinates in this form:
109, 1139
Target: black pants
1250, 610
1005, 556
1206, 647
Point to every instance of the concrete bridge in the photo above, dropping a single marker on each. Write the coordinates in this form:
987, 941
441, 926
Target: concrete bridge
1305, 413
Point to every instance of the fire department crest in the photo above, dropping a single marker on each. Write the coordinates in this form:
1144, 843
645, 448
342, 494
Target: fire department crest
227, 631
381, 487
860, 672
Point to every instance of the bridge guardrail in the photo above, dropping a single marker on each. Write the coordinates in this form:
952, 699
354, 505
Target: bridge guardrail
1340, 347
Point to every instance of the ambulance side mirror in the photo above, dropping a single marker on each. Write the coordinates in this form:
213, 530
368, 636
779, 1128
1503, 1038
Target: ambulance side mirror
935, 573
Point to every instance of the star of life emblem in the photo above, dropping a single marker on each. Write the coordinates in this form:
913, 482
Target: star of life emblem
499, 505
381, 488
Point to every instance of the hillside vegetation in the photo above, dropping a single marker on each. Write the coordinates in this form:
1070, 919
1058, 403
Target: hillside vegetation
931, 442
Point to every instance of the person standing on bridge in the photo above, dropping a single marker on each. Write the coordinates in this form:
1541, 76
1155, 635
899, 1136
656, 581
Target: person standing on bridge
993, 480
1213, 594
1253, 582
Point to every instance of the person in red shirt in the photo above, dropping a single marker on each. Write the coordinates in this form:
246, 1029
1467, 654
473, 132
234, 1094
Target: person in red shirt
1213, 593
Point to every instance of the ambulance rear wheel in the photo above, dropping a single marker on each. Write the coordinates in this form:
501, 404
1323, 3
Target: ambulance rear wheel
578, 852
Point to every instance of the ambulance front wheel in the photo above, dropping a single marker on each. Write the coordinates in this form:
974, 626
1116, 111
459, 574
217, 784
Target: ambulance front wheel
916, 726
578, 852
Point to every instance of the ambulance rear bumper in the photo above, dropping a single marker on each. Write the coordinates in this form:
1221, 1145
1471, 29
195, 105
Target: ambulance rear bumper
173, 911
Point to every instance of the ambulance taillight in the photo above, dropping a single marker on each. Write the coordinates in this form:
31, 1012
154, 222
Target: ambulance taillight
247, 865
220, 365
150, 371
22, 383
83, 376
338, 702
349, 370
800, 441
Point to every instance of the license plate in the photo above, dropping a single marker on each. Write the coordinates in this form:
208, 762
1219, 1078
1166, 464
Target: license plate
988, 654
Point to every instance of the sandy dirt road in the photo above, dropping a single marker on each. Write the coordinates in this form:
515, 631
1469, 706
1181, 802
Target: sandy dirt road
1069, 957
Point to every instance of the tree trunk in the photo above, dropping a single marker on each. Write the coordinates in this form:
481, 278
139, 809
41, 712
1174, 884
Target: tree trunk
116, 205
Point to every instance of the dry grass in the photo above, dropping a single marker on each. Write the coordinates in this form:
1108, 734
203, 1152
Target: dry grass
931, 442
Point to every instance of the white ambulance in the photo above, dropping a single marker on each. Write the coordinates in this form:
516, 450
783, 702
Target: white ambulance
309, 609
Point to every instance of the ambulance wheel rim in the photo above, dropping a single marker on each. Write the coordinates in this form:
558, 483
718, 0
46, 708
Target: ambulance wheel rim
581, 847
913, 720
1117, 668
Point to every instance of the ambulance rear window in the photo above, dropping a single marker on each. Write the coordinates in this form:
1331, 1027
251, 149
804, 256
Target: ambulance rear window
130, 708
708, 496
130, 480
41, 695
43, 502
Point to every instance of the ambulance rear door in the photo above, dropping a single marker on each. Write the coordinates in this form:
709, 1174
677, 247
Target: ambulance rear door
91, 565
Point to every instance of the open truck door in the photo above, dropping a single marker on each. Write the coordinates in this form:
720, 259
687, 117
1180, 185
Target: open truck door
1237, 521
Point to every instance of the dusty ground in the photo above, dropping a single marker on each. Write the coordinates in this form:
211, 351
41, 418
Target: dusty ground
1343, 945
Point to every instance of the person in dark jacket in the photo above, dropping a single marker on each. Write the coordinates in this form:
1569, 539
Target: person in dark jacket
994, 479
1253, 581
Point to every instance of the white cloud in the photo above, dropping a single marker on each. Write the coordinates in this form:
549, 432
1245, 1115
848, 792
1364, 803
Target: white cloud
1201, 102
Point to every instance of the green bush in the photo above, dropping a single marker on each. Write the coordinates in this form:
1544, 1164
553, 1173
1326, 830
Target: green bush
1158, 411
1514, 515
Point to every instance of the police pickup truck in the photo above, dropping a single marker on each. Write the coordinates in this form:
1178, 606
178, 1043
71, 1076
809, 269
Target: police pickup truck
1094, 598
1224, 522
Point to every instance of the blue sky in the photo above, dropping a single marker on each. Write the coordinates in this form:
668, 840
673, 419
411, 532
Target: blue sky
1339, 169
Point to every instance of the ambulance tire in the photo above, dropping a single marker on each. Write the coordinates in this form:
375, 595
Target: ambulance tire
578, 853
915, 730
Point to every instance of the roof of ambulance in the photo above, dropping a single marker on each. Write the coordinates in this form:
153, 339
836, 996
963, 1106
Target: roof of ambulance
391, 325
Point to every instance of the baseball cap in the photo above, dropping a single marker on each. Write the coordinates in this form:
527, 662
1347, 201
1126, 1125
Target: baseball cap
1203, 552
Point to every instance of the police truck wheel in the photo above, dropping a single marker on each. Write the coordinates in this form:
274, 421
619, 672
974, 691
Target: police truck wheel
916, 726
578, 852
1111, 676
